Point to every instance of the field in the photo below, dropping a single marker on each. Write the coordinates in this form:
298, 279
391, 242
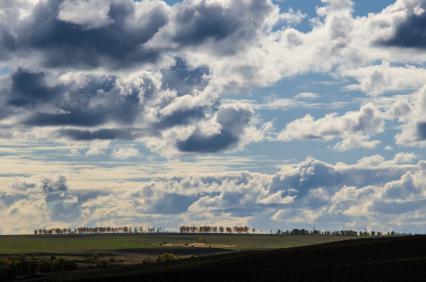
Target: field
146, 242
233, 258
24, 256
392, 259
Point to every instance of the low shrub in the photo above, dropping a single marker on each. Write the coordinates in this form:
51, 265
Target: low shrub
166, 257
30, 266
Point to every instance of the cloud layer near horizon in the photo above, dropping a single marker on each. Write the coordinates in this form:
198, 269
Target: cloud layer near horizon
373, 193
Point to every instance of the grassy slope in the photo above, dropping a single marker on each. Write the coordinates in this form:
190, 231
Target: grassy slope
99, 243
385, 259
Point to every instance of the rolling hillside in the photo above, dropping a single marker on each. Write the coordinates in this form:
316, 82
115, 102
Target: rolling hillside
382, 259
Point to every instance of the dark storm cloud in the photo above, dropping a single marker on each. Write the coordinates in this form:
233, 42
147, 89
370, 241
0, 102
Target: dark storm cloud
181, 117
204, 21
232, 121
118, 38
197, 23
60, 39
200, 143
116, 108
9, 15
67, 44
87, 101
30, 88
410, 33
76, 118
101, 134
7, 43
92, 102
183, 79
421, 130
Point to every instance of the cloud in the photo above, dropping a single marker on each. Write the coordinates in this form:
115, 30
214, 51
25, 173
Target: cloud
334, 6
100, 134
384, 78
156, 74
184, 79
90, 14
40, 200
302, 194
307, 95
353, 128
215, 24
86, 107
421, 130
125, 152
231, 121
29, 89
171, 203
414, 129
409, 33
149, 107
70, 34
97, 148
362, 205
393, 202
84, 101
89, 71
293, 17
8, 4
114, 34
405, 157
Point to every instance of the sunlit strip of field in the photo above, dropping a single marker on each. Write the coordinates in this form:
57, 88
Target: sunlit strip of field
104, 243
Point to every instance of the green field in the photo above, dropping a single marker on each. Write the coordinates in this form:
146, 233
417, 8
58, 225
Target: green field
105, 243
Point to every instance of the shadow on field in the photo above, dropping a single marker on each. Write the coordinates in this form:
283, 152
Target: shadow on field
181, 251
400, 259
177, 251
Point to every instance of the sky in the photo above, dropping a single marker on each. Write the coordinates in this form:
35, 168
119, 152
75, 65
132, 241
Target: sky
273, 114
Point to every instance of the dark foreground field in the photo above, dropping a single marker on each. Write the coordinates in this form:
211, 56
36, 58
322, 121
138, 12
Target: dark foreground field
383, 259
